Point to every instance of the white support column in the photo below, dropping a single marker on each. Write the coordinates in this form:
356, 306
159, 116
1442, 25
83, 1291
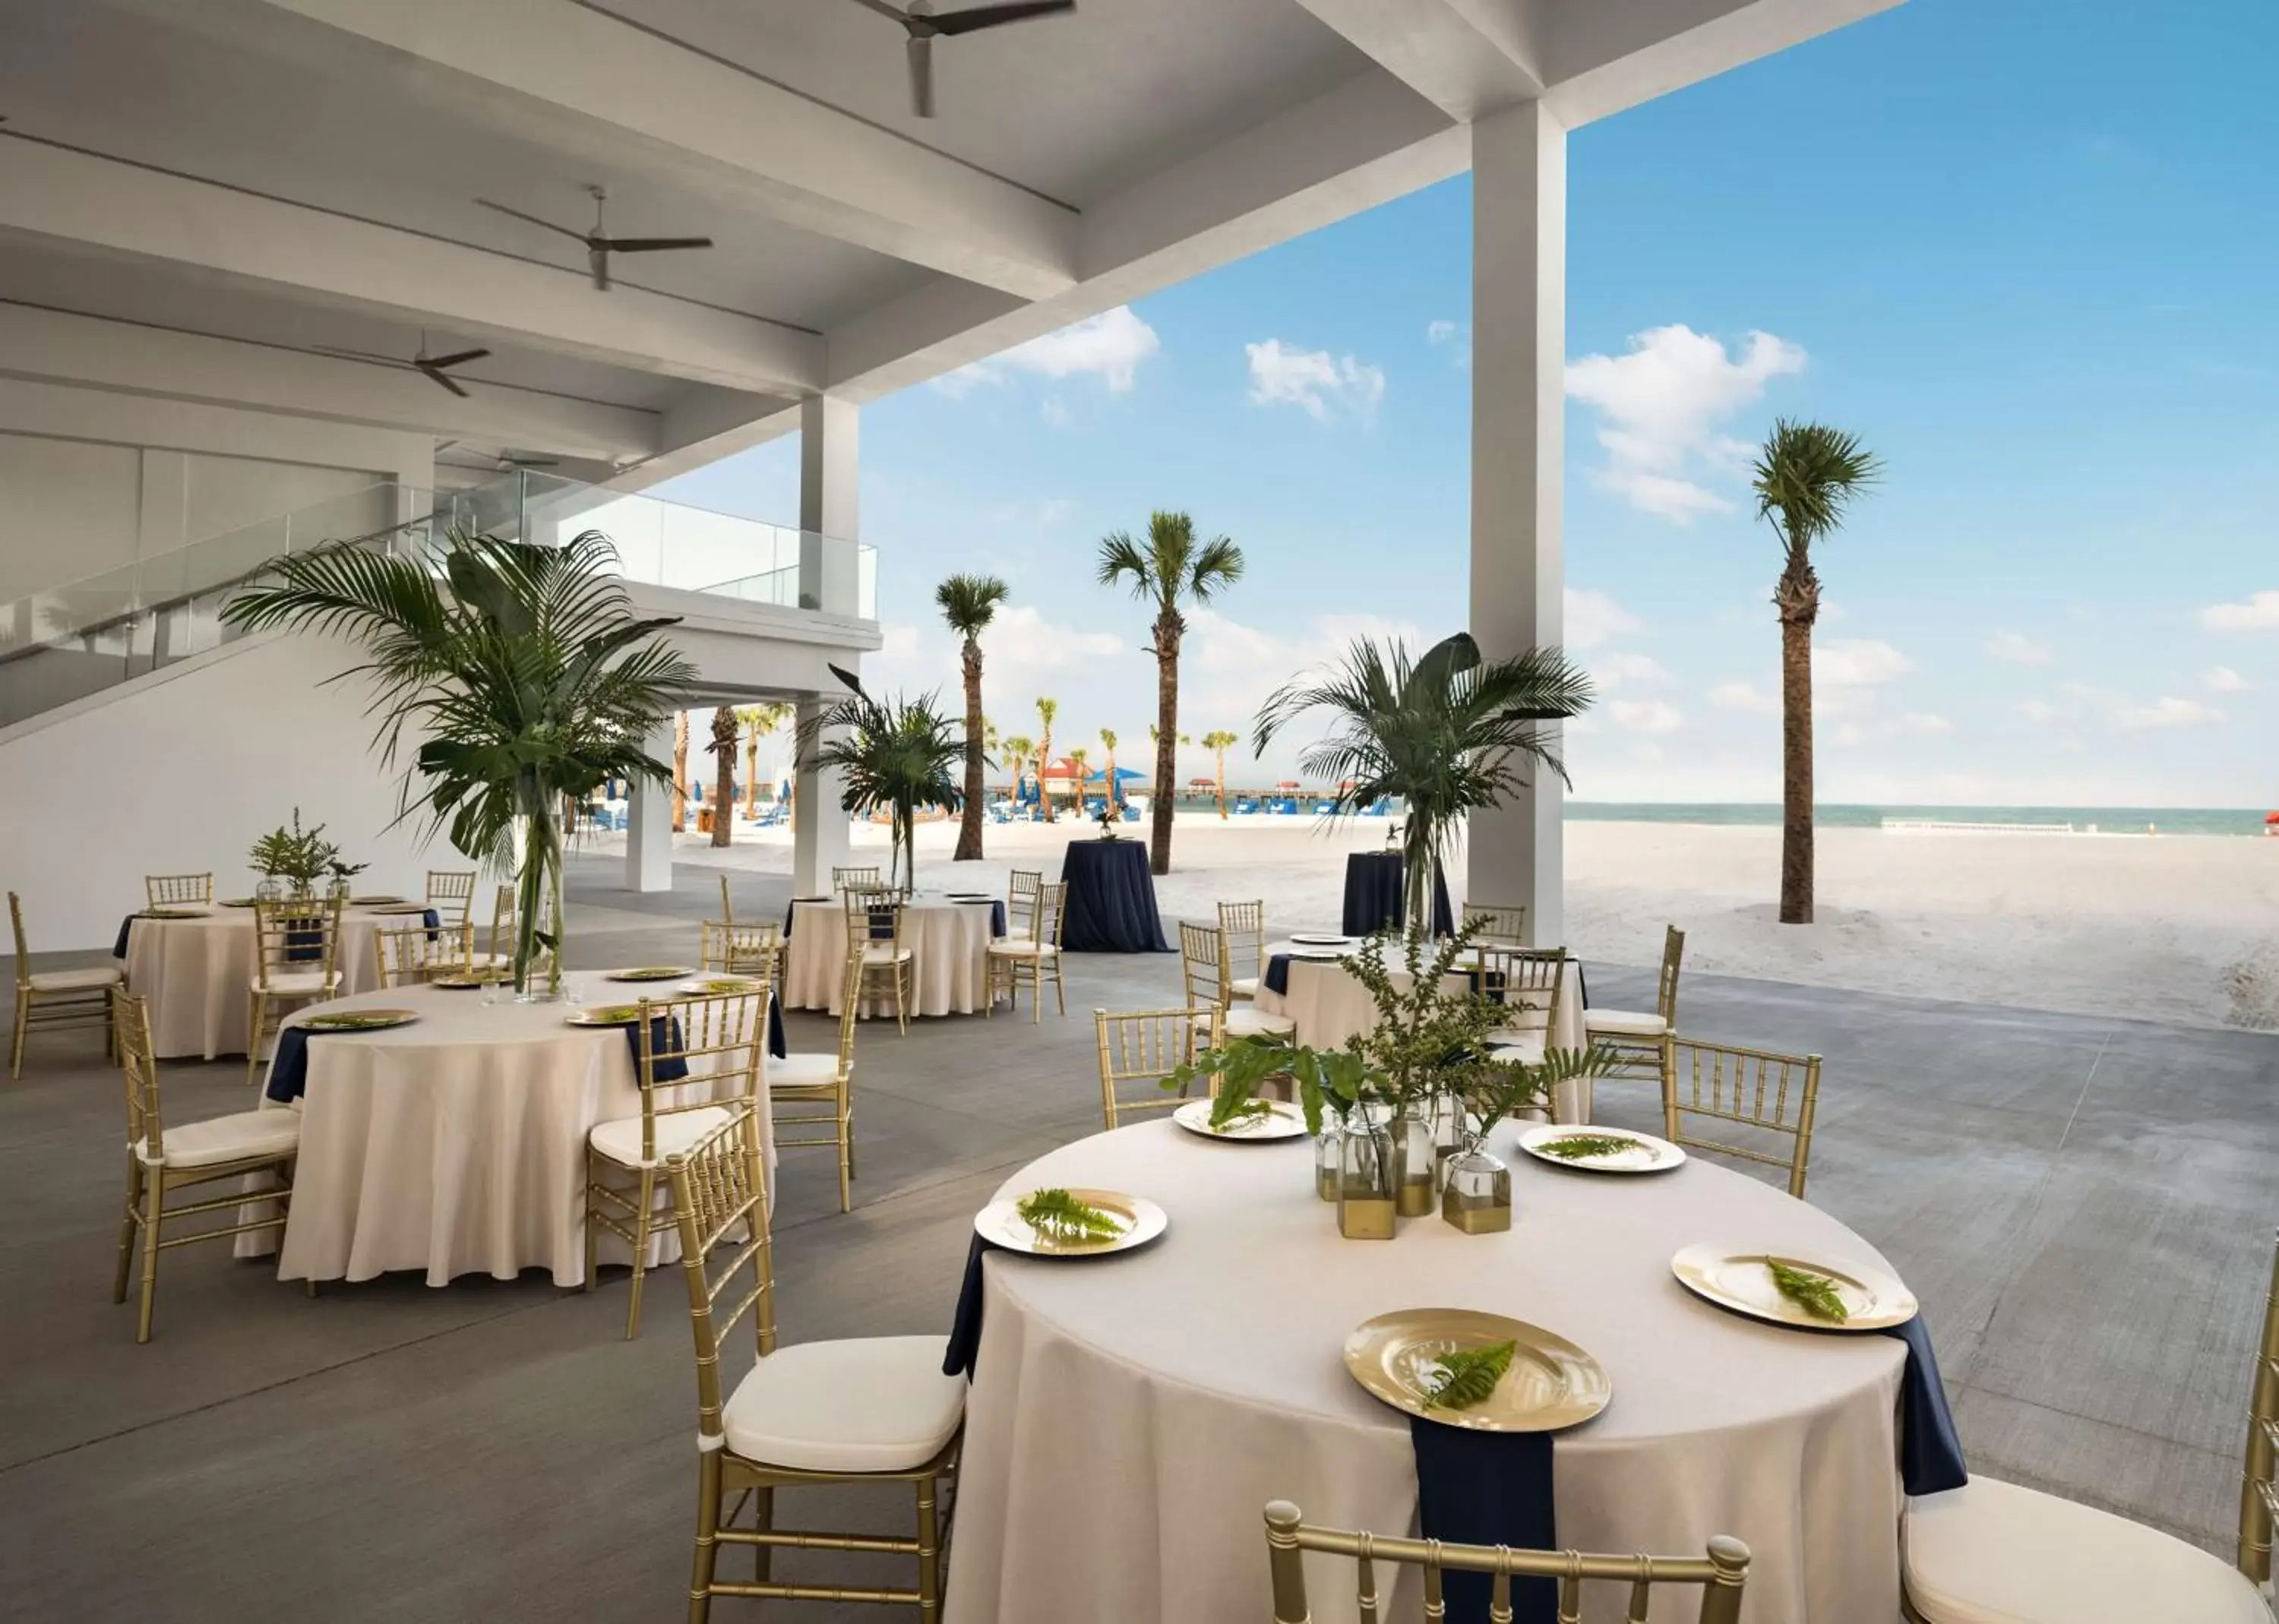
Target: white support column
648, 824
829, 482
1519, 342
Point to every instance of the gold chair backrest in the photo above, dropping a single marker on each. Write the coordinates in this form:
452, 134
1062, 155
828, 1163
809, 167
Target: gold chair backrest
1140, 1048
719, 1191
1021, 888
851, 1009
727, 909
130, 1025
408, 957
2259, 1500
1533, 980
1202, 965
1665, 990
1244, 926
506, 919
1721, 1573
1753, 1088
296, 936
740, 949
1500, 925
1048, 917
23, 948
710, 1039
844, 879
452, 894
162, 889
869, 907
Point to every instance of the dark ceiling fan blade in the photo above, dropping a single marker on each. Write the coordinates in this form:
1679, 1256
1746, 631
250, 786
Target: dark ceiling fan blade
500, 208
994, 16
883, 9
359, 354
528, 461
428, 370
460, 359
650, 245
921, 54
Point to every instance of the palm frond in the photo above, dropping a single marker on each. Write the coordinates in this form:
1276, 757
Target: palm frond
970, 603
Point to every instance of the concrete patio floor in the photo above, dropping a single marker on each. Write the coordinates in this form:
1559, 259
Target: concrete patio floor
2084, 1206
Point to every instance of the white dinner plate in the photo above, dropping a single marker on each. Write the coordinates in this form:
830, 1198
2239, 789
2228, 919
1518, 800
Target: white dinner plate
1322, 941
1649, 1155
1282, 1122
1138, 1220
1739, 1278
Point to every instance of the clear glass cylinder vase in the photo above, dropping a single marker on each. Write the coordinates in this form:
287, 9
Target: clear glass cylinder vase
1329, 1157
1477, 1196
1366, 1182
1415, 1162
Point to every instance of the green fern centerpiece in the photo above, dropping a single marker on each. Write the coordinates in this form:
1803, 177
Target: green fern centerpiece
1057, 1214
1466, 1378
1814, 1293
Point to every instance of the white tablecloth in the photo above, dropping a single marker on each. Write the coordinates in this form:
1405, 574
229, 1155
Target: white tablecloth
457, 1146
198, 974
949, 946
1131, 1415
1330, 1005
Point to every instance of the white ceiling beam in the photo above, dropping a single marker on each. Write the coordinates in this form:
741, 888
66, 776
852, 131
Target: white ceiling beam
61, 412
582, 82
1467, 57
1600, 58
123, 356
123, 207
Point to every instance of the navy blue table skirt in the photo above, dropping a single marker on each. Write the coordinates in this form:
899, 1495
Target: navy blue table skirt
1373, 900
1111, 899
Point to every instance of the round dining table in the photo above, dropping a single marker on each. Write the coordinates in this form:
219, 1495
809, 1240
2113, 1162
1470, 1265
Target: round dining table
198, 972
456, 1145
948, 940
1132, 1413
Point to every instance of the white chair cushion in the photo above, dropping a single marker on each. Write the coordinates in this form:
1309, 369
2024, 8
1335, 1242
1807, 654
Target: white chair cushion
233, 1137
77, 980
1625, 1022
1011, 949
1245, 1022
299, 981
871, 1404
621, 1140
791, 1068
1244, 986
1991, 1553
884, 953
1525, 1047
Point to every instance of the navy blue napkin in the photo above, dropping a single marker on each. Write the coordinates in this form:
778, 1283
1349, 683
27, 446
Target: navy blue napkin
776, 1045
966, 1329
1277, 978
664, 1033
126, 928
996, 912
1487, 1488
1931, 1454
288, 1071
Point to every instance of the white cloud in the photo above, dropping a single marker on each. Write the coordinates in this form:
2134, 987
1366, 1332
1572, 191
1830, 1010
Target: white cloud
1314, 380
1629, 670
1646, 715
1110, 346
1055, 412
2259, 613
1923, 725
1593, 618
2223, 680
1857, 663
1232, 666
1455, 337
2041, 713
1850, 733
900, 643
1744, 697
2019, 649
1663, 405
2164, 712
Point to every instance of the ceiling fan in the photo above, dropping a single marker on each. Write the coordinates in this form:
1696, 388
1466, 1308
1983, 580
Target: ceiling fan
433, 368
919, 22
598, 244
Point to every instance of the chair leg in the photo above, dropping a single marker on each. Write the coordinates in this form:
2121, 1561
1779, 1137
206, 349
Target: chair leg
846, 1156
592, 1229
640, 1226
1060, 988
929, 1552
257, 1013
23, 1023
708, 1548
763, 1521
901, 1013
154, 1193
127, 1226
1037, 993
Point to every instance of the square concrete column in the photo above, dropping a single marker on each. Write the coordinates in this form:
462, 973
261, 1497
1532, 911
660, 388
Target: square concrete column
829, 490
1519, 346
649, 824
819, 840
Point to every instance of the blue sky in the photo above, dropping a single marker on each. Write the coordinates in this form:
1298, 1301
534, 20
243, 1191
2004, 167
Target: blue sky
2023, 248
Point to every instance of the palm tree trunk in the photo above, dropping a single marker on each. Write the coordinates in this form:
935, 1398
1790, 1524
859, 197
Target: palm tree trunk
1167, 741
1219, 756
679, 771
752, 776
968, 832
724, 775
1798, 599
1044, 757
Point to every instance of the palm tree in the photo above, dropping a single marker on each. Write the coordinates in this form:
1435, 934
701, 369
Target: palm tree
1078, 758
759, 722
1168, 567
1448, 734
524, 670
679, 770
1018, 749
968, 603
1806, 477
1046, 709
1218, 744
893, 755
725, 731
1108, 743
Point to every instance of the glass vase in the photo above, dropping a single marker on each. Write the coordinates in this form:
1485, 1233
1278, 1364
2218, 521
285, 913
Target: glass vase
1366, 1182
1478, 1197
1329, 1155
1450, 1123
271, 890
1415, 1163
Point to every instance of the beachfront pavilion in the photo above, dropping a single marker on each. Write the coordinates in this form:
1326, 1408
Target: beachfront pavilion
277, 272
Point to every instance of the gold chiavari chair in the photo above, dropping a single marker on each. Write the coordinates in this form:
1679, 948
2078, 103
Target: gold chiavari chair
1721, 1574
1021, 888
295, 962
46, 999
175, 890
843, 879
822, 1080
687, 1048
1243, 924
741, 949
1500, 925
1992, 1550
1533, 981
1032, 955
161, 1162
875, 918
1770, 1096
506, 915
1140, 1048
452, 894
1639, 1041
416, 955
1204, 972
869, 1410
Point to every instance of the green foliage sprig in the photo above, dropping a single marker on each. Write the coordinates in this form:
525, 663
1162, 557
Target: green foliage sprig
1586, 1146
302, 855
1814, 1293
1467, 1377
1058, 1214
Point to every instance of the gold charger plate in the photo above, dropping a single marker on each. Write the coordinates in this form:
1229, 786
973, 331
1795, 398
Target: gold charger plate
1740, 1279
1323, 941
651, 972
1284, 1121
463, 984
605, 1014
372, 901
1139, 1220
358, 1021
1649, 1155
725, 986
389, 910
1551, 1383
242, 902
171, 913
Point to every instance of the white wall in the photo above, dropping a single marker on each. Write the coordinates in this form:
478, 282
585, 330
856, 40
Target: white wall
180, 772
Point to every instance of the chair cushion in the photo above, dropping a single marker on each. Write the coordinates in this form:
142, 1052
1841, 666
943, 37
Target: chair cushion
1245, 1022
884, 953
871, 1404
1525, 1047
793, 1069
1625, 1022
235, 1138
621, 1140
1244, 986
1010, 949
77, 980
1991, 1553
300, 981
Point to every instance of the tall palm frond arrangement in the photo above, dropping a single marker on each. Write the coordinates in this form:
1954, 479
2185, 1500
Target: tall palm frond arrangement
968, 603
893, 755
1167, 568
1806, 478
524, 672
1449, 732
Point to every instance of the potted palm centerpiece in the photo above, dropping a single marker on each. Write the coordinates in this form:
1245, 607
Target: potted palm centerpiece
893, 755
523, 671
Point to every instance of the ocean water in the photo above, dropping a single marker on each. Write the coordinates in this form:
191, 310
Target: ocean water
2108, 820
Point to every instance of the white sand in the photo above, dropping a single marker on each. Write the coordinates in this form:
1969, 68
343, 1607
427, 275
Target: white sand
2174, 928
